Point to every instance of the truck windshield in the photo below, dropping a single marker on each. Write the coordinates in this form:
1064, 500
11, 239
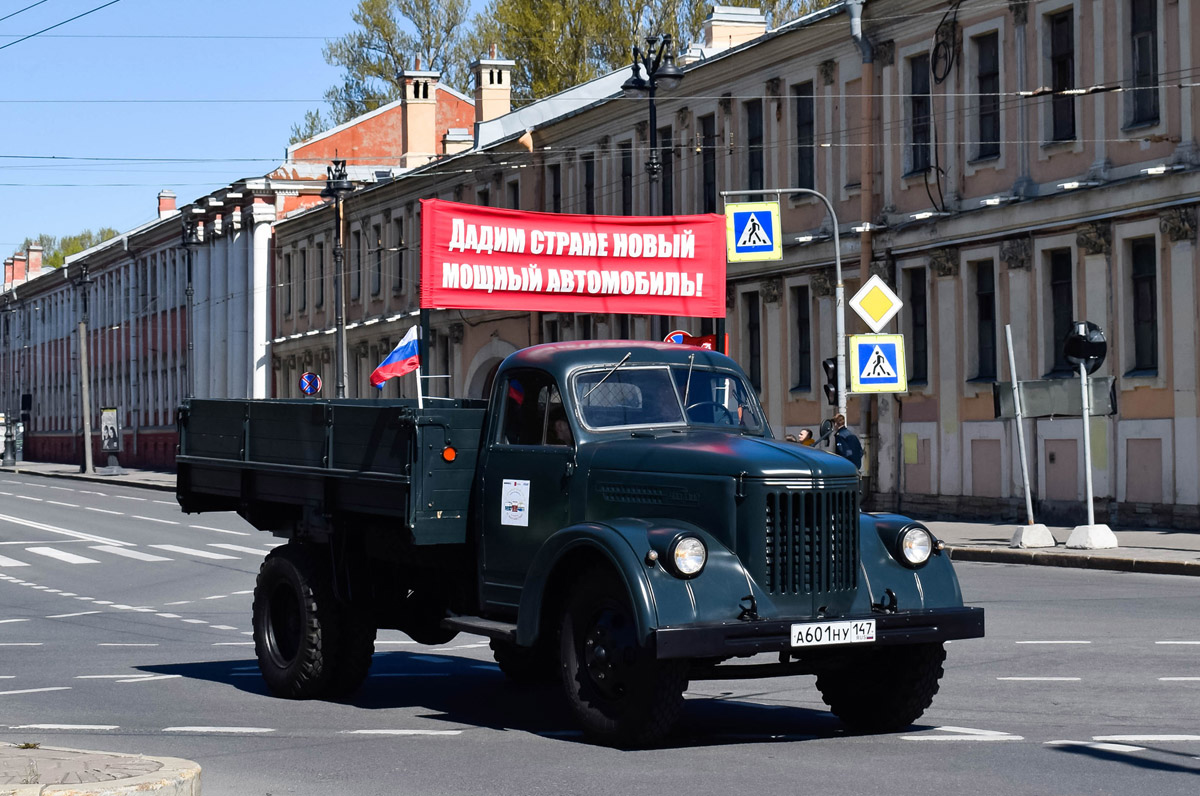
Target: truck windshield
640, 396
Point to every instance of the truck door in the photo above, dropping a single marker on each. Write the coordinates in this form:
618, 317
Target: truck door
526, 483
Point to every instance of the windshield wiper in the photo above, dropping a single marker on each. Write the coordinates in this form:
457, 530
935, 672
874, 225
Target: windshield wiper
611, 371
688, 384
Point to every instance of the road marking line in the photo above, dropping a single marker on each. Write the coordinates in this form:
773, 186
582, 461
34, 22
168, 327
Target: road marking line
60, 503
1179, 679
43, 588
1053, 642
10, 621
88, 537
964, 734
218, 530
68, 616
148, 677
1145, 738
20, 643
178, 602
168, 616
102, 602
1043, 679
196, 621
123, 644
245, 591
103, 676
224, 627
53, 591
167, 502
1107, 747
27, 497
64, 727
402, 732
63, 488
220, 729
170, 548
233, 644
70, 558
5, 561
129, 552
36, 690
68, 594
86, 492
154, 519
217, 597
104, 511
239, 549
130, 497
7, 676
1177, 642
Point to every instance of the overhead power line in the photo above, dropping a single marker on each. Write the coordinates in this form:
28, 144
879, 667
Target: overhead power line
23, 10
58, 24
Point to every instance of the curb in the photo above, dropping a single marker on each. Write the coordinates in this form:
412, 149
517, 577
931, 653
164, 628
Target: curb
1081, 561
175, 777
110, 479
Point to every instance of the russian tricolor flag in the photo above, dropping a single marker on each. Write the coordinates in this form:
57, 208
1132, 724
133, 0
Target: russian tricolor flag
403, 359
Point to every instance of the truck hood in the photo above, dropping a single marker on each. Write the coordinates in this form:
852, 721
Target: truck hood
701, 452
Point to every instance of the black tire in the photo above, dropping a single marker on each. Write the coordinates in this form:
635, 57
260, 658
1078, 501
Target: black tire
885, 690
617, 690
295, 622
535, 665
354, 654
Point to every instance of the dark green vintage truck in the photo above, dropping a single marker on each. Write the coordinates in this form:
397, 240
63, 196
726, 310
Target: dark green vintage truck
618, 517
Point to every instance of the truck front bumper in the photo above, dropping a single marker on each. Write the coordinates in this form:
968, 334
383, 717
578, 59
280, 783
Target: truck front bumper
741, 638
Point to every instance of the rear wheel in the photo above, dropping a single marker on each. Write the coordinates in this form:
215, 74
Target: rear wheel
884, 690
617, 689
295, 632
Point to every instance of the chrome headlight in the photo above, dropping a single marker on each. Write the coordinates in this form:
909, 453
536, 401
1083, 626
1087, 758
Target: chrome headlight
689, 555
916, 545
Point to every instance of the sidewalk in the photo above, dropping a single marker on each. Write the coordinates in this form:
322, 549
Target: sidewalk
46, 770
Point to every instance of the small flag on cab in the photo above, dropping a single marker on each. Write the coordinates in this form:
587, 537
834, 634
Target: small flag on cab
403, 359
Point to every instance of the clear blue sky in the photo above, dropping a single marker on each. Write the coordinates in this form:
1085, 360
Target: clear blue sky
138, 79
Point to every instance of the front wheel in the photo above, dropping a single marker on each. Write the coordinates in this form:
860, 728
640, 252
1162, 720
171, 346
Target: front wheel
884, 690
619, 692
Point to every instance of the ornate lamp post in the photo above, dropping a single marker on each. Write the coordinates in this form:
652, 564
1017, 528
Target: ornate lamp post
191, 239
653, 69
337, 186
10, 437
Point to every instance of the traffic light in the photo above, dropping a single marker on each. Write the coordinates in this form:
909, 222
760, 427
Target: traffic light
831, 380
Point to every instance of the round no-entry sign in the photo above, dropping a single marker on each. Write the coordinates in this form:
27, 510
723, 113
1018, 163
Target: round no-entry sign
310, 383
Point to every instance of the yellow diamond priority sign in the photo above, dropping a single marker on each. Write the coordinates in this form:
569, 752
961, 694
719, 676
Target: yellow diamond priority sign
876, 304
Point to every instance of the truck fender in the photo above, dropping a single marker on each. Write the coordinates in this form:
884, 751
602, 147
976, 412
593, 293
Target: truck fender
933, 585
659, 597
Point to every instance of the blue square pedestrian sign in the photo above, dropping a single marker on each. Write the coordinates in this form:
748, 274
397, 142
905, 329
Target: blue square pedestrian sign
752, 231
877, 363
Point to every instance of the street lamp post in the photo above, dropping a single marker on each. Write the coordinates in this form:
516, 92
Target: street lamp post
85, 398
10, 437
337, 186
191, 239
652, 69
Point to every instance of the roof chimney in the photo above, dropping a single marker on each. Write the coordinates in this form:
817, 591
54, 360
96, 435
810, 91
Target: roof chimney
493, 86
8, 270
728, 26
18, 267
34, 253
166, 203
419, 139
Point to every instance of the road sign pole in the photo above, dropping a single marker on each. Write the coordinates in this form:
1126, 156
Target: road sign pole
1087, 444
1012, 370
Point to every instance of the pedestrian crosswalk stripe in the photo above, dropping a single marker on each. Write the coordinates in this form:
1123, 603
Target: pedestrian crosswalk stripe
70, 558
128, 552
5, 561
238, 549
187, 551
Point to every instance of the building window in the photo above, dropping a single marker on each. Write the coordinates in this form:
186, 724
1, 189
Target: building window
286, 287
589, 184
1062, 75
708, 161
754, 144
1145, 304
753, 338
376, 260
302, 282
1144, 48
987, 58
667, 159
356, 271
1062, 307
918, 310
626, 178
583, 327
985, 320
319, 277
555, 185
805, 135
397, 256
483, 197
624, 330
514, 195
920, 123
551, 335
803, 315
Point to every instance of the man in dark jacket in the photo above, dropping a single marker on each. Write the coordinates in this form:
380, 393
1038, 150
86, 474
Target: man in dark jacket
845, 443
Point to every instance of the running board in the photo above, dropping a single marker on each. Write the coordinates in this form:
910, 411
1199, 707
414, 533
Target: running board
491, 628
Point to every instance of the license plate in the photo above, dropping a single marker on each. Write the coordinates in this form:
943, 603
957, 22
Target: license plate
817, 634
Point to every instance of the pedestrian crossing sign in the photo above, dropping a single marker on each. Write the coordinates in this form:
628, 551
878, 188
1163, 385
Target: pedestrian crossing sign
752, 231
877, 363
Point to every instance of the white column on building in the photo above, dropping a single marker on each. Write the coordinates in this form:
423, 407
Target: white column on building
263, 216
1186, 102
1101, 429
1182, 265
201, 314
239, 288
1099, 57
774, 351
949, 381
219, 302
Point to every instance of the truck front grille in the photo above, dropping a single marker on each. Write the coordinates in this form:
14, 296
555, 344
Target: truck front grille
812, 541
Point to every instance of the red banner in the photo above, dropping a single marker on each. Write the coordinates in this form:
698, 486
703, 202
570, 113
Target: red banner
489, 258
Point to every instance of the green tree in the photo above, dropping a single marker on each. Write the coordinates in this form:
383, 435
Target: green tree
56, 250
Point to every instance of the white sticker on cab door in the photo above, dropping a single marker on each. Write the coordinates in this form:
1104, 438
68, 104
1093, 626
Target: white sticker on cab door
514, 503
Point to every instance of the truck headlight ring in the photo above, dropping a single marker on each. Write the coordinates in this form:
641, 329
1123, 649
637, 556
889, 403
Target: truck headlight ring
916, 546
688, 556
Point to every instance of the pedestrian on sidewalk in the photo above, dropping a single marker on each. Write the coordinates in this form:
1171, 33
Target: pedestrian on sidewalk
846, 443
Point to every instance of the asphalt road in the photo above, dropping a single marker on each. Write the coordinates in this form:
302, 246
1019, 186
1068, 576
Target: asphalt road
124, 626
